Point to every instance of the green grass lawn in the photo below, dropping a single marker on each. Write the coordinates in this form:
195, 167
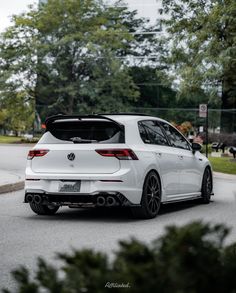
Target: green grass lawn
9, 139
223, 165
16, 139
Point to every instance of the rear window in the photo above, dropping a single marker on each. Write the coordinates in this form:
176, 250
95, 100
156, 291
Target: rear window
87, 131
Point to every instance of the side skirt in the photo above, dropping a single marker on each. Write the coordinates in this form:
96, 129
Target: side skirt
182, 197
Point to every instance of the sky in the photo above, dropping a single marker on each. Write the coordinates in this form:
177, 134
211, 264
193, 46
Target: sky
146, 8
9, 7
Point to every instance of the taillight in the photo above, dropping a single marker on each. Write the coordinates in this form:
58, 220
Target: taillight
36, 153
121, 154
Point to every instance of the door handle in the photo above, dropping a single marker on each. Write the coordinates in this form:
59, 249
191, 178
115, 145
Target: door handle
181, 157
159, 154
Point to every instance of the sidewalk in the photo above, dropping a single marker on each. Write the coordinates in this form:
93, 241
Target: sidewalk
10, 182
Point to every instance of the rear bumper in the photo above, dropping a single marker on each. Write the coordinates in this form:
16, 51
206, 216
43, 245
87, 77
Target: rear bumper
123, 182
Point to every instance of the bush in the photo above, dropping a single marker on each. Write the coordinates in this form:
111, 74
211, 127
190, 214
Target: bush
226, 138
187, 259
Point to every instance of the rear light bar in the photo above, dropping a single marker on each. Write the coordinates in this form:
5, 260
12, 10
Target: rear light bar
121, 154
36, 153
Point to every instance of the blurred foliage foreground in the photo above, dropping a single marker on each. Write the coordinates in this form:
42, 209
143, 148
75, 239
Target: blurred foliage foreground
192, 258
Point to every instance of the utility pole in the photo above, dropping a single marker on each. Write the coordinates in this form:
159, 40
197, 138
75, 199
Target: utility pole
203, 113
207, 121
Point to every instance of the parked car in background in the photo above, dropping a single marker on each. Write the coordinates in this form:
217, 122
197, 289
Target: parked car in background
232, 150
134, 161
216, 146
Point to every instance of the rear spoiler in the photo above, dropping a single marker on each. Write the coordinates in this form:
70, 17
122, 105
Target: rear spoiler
49, 121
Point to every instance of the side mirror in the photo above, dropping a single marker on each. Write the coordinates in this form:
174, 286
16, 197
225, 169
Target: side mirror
196, 147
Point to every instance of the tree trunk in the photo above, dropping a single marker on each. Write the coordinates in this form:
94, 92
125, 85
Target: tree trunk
228, 116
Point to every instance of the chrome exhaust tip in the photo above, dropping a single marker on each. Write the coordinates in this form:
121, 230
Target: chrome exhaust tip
101, 201
29, 198
37, 199
111, 201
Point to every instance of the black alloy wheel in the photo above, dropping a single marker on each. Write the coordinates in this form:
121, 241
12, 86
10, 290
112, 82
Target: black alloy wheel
151, 198
207, 186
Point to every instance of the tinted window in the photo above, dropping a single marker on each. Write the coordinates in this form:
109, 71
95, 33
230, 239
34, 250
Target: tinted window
151, 132
175, 138
87, 131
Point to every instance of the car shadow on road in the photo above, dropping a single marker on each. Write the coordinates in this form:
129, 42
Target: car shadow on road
112, 214
89, 215
179, 206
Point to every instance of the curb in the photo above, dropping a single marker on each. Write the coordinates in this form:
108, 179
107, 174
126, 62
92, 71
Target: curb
224, 176
12, 187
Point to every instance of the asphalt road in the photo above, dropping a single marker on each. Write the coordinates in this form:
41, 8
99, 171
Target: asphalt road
13, 158
25, 236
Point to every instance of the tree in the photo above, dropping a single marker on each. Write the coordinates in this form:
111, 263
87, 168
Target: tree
192, 258
17, 112
3, 117
158, 98
202, 48
69, 55
155, 91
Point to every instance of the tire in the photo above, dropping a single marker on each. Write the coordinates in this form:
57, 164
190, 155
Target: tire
41, 209
206, 186
151, 198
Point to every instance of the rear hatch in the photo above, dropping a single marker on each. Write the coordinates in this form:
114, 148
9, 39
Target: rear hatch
72, 145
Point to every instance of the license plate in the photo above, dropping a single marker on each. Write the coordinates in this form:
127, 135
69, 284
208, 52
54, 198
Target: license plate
70, 186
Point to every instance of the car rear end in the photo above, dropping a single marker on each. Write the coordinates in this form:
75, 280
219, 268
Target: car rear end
82, 161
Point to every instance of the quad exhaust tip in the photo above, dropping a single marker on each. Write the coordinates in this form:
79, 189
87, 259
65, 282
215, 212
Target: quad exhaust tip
34, 198
29, 198
101, 201
37, 199
111, 201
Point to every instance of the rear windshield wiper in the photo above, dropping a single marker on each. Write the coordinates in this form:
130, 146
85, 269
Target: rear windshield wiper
81, 140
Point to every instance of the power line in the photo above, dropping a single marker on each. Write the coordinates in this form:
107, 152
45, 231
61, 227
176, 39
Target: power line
188, 109
148, 33
157, 4
136, 57
134, 5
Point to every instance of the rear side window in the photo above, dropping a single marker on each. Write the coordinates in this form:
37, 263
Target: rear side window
89, 131
151, 132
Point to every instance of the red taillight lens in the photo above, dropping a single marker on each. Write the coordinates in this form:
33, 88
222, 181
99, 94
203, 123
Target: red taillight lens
121, 154
36, 153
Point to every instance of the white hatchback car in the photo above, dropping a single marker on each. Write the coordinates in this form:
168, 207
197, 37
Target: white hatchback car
114, 160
